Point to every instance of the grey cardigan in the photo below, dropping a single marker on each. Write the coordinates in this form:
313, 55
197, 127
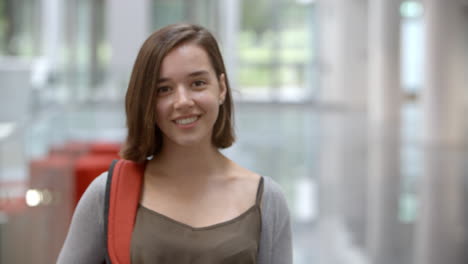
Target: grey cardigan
85, 239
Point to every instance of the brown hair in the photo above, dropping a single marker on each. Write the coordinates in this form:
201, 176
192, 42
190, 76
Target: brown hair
144, 137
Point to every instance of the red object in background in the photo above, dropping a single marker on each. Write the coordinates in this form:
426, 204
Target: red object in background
104, 148
89, 159
50, 218
60, 178
54, 172
12, 200
72, 149
89, 167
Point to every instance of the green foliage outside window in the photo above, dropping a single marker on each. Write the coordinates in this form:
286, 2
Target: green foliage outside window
272, 55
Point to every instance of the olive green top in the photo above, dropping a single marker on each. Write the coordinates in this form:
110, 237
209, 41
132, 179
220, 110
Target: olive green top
159, 239
86, 242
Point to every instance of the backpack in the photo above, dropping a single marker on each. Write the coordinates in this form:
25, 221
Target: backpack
122, 195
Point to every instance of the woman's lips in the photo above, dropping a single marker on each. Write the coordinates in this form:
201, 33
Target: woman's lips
186, 122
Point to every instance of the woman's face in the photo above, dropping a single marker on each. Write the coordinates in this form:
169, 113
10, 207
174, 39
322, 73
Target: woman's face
188, 96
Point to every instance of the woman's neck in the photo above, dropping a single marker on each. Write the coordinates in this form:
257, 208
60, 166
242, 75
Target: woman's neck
188, 163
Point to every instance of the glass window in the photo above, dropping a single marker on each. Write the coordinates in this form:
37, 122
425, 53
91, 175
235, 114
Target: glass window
85, 52
20, 28
202, 12
276, 51
412, 40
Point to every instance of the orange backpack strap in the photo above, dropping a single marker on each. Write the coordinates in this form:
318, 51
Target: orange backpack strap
123, 190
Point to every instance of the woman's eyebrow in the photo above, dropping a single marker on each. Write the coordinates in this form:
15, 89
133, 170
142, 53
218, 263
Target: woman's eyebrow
192, 74
198, 73
161, 80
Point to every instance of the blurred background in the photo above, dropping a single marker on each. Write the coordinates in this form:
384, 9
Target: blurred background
356, 107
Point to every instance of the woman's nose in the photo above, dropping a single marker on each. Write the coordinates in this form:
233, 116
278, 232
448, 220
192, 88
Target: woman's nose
183, 98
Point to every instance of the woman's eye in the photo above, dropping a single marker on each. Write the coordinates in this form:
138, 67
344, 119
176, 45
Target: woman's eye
163, 89
199, 83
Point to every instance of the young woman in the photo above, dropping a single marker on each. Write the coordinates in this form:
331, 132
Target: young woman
195, 204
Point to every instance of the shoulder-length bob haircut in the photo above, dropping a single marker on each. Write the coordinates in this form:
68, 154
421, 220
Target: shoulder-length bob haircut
144, 137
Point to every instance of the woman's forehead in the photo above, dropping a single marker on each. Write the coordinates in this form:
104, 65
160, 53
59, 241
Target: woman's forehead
184, 60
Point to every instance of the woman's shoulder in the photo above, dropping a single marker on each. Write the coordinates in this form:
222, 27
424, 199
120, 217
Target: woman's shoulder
274, 201
273, 192
275, 243
97, 187
92, 199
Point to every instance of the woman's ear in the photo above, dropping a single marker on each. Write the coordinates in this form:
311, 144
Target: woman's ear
222, 87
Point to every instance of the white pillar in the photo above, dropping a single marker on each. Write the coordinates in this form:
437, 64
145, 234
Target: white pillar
441, 231
342, 186
343, 52
331, 223
465, 44
15, 99
52, 28
343, 82
441, 235
229, 35
444, 88
384, 103
384, 60
383, 228
354, 177
128, 25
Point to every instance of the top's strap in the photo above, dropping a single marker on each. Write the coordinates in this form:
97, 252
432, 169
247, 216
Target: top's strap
259, 191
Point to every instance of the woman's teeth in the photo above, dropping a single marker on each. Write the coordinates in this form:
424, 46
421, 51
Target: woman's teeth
186, 121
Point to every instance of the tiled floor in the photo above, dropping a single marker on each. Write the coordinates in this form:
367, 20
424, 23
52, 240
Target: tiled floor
356, 194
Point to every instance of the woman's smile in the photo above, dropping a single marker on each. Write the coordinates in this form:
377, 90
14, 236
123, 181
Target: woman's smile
187, 122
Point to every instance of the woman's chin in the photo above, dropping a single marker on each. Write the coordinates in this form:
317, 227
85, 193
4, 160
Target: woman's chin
188, 142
